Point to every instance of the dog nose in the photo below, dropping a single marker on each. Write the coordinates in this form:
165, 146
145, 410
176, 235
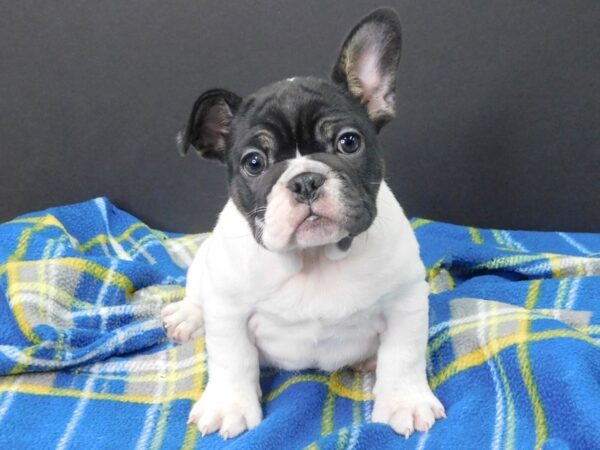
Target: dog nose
306, 186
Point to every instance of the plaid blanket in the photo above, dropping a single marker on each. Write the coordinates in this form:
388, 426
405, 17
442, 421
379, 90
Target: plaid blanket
513, 350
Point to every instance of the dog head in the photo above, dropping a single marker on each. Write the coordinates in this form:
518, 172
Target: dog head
303, 159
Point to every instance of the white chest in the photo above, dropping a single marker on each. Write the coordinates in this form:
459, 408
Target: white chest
326, 316
316, 343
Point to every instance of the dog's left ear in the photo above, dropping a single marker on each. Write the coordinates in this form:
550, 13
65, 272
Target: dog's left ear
368, 62
208, 125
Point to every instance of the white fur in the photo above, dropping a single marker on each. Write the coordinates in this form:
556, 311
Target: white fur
300, 308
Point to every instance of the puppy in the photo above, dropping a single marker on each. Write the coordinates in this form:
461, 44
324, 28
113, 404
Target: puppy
312, 263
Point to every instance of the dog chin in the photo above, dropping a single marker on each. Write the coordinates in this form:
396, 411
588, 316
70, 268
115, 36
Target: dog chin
309, 232
316, 231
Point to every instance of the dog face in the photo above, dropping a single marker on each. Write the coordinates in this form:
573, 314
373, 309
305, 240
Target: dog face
304, 164
303, 160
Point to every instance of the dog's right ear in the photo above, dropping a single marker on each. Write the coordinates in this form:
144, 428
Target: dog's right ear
368, 62
209, 124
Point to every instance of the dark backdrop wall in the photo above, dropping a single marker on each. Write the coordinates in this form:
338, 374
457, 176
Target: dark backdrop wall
498, 103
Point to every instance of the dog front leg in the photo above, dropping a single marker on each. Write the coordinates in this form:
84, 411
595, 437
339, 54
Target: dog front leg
184, 320
230, 402
403, 398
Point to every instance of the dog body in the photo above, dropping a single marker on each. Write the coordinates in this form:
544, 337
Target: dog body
312, 263
305, 309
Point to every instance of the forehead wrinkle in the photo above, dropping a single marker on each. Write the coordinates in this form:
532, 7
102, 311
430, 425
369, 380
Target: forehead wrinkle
262, 138
308, 116
279, 121
317, 93
265, 138
300, 104
277, 129
247, 104
293, 113
326, 126
261, 105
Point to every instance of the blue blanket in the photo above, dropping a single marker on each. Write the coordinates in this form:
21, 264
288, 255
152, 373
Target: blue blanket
513, 350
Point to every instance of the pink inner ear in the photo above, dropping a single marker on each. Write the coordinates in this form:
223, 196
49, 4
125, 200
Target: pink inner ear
374, 85
216, 123
368, 72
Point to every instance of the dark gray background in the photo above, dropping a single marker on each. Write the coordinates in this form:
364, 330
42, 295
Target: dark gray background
498, 102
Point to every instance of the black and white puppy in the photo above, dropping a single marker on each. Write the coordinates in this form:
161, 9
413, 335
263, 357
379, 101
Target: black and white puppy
312, 263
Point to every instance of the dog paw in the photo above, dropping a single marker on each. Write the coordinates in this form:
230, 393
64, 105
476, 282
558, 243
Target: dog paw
231, 410
182, 320
408, 410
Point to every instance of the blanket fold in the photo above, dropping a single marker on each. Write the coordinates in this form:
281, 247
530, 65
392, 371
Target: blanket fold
513, 343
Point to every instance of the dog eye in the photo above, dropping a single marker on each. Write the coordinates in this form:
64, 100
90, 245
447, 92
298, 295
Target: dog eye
254, 163
348, 142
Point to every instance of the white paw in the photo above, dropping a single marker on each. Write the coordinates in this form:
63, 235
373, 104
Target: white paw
183, 320
407, 410
230, 409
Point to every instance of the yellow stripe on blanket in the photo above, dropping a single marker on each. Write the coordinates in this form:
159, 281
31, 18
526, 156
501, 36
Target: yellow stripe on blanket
478, 357
541, 428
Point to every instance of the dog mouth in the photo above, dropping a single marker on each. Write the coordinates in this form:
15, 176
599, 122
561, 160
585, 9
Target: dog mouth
310, 222
318, 224
313, 219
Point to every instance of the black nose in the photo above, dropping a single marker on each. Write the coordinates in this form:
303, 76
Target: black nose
306, 186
